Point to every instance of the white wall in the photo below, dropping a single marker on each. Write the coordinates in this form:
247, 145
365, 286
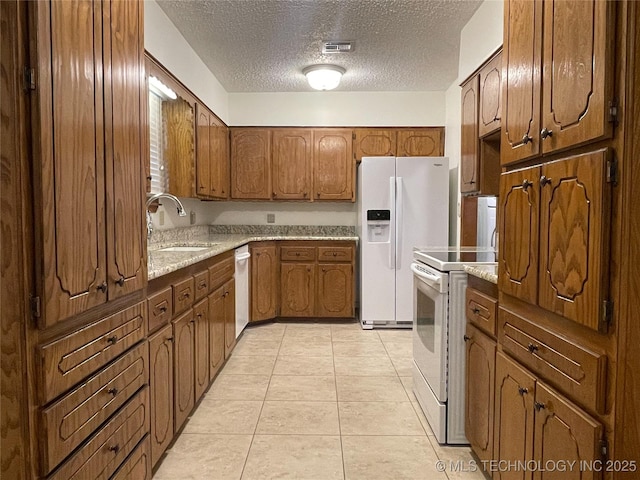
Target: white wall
479, 38
392, 109
163, 40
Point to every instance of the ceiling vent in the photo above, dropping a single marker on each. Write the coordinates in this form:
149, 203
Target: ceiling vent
337, 47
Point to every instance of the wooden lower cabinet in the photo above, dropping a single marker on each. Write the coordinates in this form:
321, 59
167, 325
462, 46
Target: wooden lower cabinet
335, 290
161, 391
137, 466
216, 331
264, 275
229, 317
184, 377
201, 344
297, 289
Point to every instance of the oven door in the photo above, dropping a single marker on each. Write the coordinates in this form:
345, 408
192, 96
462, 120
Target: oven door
430, 320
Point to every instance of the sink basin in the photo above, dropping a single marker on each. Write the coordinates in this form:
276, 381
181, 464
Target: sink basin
185, 249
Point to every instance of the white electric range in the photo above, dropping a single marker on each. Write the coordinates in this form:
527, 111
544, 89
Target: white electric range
438, 324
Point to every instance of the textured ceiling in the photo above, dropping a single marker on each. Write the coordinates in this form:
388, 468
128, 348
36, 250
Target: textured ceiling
263, 45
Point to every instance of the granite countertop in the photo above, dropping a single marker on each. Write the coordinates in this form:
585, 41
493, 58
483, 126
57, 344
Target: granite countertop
486, 272
220, 240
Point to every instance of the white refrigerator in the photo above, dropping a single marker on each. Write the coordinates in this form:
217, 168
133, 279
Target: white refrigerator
403, 202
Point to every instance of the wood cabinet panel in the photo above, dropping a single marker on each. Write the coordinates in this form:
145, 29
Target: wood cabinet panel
138, 465
333, 165
201, 353
70, 359
183, 371
374, 142
490, 96
183, 295
219, 158
178, 117
297, 253
481, 310
160, 308
221, 271
574, 231
335, 254
216, 331
161, 391
297, 288
420, 142
480, 371
201, 285
469, 159
335, 290
229, 317
291, 163
251, 164
264, 281
518, 252
203, 156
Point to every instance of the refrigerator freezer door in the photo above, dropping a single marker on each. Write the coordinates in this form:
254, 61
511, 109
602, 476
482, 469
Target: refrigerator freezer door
423, 198
377, 253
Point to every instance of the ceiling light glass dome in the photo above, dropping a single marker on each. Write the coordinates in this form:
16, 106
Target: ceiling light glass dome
323, 77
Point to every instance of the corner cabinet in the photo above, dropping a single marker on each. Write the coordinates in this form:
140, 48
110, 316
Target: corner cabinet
264, 283
89, 146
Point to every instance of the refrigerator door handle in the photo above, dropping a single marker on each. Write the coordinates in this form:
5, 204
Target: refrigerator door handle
399, 220
392, 234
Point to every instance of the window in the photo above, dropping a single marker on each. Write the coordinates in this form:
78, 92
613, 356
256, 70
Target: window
159, 181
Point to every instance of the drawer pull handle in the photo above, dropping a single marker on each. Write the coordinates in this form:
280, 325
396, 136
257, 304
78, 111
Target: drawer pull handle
522, 391
476, 311
185, 295
103, 287
532, 348
202, 285
163, 309
297, 254
112, 391
120, 282
112, 340
114, 448
466, 338
539, 406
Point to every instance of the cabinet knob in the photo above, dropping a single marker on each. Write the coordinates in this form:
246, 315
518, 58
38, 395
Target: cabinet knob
274, 194
466, 338
114, 448
526, 184
103, 287
476, 311
169, 339
532, 348
539, 406
113, 391
202, 285
120, 282
522, 391
318, 194
526, 139
304, 194
112, 340
163, 309
545, 133
544, 180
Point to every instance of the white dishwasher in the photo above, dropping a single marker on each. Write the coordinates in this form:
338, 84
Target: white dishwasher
242, 288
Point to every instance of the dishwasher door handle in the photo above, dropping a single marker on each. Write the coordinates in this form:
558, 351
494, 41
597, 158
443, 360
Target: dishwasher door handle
242, 256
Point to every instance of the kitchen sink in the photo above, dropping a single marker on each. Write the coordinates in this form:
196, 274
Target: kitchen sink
187, 248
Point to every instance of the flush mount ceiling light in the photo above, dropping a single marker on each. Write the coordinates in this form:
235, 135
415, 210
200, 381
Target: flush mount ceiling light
323, 77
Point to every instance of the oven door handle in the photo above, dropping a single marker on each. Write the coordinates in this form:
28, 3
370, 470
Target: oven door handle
434, 280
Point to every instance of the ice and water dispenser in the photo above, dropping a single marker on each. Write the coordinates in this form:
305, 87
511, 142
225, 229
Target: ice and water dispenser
378, 226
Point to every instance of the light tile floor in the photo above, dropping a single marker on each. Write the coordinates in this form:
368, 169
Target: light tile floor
307, 401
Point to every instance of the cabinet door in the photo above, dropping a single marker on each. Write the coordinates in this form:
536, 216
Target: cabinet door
574, 232
229, 317
333, 165
203, 160
219, 156
297, 287
216, 331
161, 391
469, 161
514, 411
577, 83
291, 157
374, 142
335, 290
68, 133
251, 164
518, 252
564, 433
490, 110
125, 140
479, 393
421, 142
201, 333
521, 60
264, 281
184, 376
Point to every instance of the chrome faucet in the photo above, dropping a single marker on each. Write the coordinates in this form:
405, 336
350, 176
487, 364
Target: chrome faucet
157, 196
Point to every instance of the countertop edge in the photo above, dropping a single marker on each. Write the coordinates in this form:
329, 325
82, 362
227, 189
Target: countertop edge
486, 272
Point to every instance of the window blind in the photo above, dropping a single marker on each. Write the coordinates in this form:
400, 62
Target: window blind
159, 181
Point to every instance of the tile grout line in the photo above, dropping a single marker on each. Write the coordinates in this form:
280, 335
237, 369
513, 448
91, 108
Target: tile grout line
335, 382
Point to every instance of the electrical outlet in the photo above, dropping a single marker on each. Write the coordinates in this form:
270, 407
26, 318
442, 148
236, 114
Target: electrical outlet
271, 218
192, 217
161, 217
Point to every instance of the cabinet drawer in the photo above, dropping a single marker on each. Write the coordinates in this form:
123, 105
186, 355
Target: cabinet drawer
183, 295
335, 254
111, 445
221, 272
201, 281
67, 361
69, 421
298, 254
138, 465
160, 309
576, 370
481, 310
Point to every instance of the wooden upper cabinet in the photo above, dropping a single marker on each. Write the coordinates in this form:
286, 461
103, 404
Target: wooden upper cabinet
203, 156
469, 160
264, 280
420, 142
178, 119
577, 72
490, 108
291, 163
333, 165
219, 158
297, 289
575, 201
251, 164
88, 147
374, 142
519, 219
